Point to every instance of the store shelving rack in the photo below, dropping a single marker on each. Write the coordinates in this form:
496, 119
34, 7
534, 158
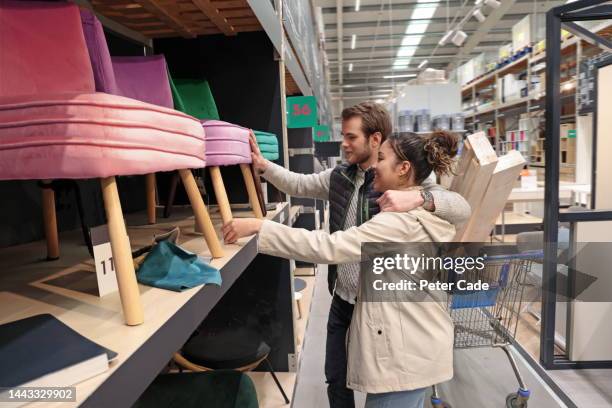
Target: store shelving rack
566, 15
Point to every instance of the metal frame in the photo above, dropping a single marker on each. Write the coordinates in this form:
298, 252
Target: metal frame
581, 10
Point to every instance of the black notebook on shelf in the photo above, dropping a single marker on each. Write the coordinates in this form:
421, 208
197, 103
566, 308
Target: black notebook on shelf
42, 351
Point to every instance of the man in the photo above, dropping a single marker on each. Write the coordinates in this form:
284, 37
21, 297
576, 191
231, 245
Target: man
348, 187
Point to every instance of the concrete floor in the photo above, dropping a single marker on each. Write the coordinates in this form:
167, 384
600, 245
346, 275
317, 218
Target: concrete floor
483, 377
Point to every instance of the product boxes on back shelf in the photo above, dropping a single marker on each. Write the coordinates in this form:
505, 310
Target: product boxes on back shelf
528, 31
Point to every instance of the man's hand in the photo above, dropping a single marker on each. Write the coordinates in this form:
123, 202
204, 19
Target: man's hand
400, 201
259, 162
240, 227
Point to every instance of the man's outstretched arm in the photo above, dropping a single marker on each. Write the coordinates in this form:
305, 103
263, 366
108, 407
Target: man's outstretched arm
295, 184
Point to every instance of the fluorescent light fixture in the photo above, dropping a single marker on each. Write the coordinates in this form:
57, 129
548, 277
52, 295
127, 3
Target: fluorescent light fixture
446, 38
399, 66
406, 51
411, 40
353, 41
492, 3
478, 15
399, 76
459, 38
357, 5
422, 12
379, 100
422, 64
417, 27
351, 67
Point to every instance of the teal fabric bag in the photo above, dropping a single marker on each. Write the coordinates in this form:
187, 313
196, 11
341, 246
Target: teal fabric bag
171, 267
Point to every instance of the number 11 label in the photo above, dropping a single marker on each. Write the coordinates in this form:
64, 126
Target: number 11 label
103, 259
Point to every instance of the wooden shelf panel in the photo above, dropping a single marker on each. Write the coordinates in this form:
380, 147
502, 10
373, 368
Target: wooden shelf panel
29, 286
184, 18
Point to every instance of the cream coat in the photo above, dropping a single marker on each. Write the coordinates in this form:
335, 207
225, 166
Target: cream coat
392, 346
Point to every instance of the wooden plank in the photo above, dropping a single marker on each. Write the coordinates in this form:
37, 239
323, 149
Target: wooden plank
249, 28
167, 15
243, 21
227, 4
474, 169
498, 190
237, 12
212, 12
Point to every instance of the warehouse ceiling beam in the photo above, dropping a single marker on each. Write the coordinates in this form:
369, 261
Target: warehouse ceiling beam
155, 7
212, 12
579, 31
492, 19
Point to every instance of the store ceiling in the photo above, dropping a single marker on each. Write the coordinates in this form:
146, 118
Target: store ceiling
392, 37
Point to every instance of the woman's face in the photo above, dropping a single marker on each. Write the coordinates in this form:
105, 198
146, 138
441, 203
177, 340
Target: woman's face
389, 172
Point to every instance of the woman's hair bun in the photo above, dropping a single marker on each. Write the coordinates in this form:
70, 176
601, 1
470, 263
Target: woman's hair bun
441, 146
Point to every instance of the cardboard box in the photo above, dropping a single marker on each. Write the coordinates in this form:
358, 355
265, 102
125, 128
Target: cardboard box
528, 31
505, 51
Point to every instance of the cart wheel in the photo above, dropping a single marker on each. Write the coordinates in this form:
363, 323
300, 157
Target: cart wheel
515, 401
438, 403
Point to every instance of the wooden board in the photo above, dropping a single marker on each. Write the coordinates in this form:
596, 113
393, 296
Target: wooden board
180, 18
496, 194
473, 171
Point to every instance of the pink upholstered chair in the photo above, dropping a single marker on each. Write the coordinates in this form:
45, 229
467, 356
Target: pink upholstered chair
226, 145
53, 125
144, 78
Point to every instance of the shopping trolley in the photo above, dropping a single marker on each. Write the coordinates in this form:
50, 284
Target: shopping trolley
489, 318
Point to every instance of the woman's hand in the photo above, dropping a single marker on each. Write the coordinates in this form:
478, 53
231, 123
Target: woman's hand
400, 201
240, 227
260, 164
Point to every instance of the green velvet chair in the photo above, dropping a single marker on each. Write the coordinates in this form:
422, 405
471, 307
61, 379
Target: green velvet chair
218, 389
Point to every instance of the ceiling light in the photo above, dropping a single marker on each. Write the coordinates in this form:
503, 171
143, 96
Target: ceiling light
417, 27
351, 67
478, 15
399, 76
357, 4
444, 40
353, 41
411, 40
492, 3
459, 38
422, 64
406, 51
379, 100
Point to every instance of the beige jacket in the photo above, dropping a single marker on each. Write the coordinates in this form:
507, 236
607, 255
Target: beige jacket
392, 346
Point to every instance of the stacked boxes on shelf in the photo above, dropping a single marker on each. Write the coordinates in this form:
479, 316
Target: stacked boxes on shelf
528, 31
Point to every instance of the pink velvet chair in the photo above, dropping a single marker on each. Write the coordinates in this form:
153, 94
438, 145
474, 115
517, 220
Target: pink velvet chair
144, 78
227, 145
53, 125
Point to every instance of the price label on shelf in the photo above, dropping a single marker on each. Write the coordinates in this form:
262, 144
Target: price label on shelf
103, 260
301, 111
321, 133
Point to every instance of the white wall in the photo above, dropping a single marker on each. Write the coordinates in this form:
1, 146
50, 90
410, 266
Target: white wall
440, 99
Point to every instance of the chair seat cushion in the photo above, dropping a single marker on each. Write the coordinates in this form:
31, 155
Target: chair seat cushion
218, 389
78, 136
226, 144
229, 348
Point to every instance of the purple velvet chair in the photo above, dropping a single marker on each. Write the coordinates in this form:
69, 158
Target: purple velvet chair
53, 125
145, 79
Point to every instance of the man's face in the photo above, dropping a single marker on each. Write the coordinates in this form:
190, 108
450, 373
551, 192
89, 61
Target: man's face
356, 145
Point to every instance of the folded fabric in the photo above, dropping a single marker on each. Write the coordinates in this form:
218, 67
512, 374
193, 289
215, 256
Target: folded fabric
268, 144
168, 266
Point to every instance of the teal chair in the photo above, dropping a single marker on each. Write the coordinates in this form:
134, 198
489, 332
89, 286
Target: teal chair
218, 389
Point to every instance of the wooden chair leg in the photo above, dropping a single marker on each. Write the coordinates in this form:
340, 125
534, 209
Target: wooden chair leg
171, 194
122, 254
201, 214
221, 194
251, 190
151, 202
50, 221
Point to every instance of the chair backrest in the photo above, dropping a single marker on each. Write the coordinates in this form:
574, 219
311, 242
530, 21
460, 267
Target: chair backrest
42, 49
196, 97
100, 58
144, 78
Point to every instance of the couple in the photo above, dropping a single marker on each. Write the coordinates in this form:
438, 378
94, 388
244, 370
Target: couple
397, 355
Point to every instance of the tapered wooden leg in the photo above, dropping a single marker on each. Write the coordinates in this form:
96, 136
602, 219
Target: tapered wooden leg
221, 194
150, 185
201, 214
50, 220
171, 194
251, 190
122, 254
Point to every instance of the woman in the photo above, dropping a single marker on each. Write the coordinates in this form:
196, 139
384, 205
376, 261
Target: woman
395, 349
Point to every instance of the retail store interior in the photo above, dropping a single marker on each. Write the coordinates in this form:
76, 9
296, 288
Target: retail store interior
127, 134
